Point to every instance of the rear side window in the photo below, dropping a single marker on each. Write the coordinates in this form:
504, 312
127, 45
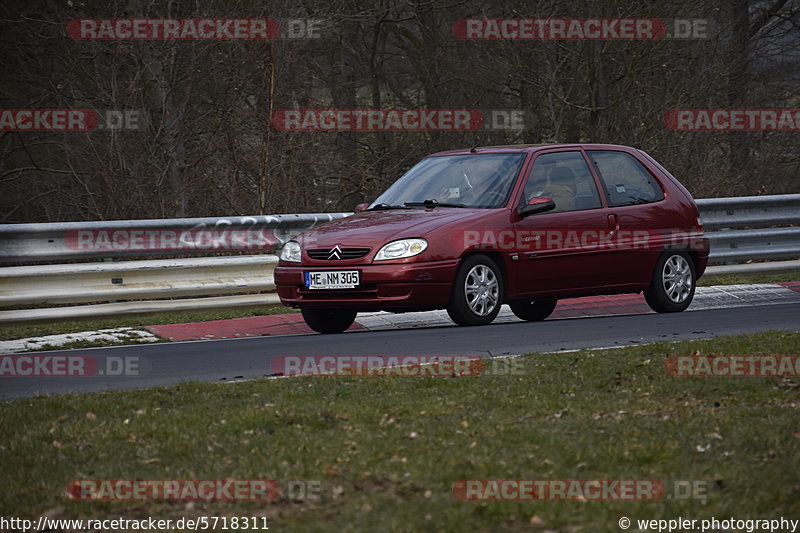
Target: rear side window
626, 180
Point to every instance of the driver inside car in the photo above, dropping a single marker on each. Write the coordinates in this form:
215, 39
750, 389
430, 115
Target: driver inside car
556, 183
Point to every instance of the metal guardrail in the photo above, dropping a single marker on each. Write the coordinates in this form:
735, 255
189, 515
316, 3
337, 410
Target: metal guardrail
148, 285
136, 280
740, 229
749, 211
755, 244
140, 282
61, 241
743, 228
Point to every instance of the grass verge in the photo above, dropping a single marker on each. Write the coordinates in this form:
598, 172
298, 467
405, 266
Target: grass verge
755, 277
388, 450
169, 317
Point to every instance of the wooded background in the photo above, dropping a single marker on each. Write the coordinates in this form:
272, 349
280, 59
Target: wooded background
206, 146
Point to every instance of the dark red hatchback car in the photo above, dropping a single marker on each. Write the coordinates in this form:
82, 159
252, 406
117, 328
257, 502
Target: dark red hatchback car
470, 230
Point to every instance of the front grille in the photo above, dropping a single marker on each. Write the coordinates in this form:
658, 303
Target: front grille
322, 254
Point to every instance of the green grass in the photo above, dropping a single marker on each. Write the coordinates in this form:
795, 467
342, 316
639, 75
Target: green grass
388, 450
169, 317
755, 277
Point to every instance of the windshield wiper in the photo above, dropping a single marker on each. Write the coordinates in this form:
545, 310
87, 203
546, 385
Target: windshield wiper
384, 206
432, 203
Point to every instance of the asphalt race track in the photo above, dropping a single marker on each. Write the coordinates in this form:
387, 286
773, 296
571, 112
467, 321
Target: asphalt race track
233, 359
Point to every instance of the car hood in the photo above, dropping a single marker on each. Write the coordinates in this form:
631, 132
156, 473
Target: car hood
376, 228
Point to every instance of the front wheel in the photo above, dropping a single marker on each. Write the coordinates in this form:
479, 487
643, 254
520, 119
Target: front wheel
328, 320
673, 283
477, 292
533, 311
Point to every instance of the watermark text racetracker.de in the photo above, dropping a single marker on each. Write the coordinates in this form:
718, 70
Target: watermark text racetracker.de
588, 239
733, 365
783, 120
184, 490
399, 120
407, 366
142, 239
70, 120
481, 490
70, 366
582, 29
193, 29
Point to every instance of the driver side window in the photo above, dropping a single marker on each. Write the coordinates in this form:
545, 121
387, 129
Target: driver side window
565, 177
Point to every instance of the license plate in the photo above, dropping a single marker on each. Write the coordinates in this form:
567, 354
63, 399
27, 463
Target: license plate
332, 279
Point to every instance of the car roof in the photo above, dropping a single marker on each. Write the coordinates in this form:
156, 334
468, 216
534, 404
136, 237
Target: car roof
527, 148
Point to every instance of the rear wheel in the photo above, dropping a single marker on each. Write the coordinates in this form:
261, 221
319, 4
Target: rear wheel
328, 320
533, 311
477, 292
673, 284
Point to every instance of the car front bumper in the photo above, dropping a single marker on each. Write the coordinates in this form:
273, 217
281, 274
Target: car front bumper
390, 287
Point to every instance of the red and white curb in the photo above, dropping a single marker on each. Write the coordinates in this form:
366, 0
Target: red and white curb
719, 297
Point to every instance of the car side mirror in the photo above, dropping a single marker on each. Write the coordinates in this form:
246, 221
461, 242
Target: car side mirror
361, 207
537, 204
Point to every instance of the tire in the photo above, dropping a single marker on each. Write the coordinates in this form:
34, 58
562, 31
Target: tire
477, 292
673, 283
533, 311
328, 320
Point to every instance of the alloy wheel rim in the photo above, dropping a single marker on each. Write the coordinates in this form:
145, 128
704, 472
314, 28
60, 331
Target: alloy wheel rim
677, 279
482, 290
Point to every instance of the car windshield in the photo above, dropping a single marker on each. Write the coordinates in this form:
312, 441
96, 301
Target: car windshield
473, 180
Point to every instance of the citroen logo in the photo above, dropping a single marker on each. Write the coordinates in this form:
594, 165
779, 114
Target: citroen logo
335, 253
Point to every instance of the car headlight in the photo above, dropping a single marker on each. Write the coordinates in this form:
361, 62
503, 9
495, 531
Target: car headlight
291, 252
401, 248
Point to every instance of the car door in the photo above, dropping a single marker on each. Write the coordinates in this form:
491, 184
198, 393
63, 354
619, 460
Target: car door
553, 250
635, 198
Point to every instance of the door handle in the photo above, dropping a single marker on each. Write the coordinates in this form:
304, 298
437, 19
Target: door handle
613, 224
